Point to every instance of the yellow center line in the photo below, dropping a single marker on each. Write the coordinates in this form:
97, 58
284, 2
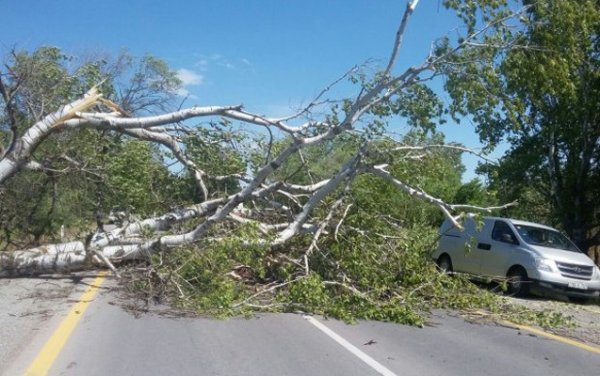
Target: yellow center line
540, 332
46, 357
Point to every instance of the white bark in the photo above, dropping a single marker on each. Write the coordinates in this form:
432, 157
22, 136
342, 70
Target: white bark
48, 259
24, 147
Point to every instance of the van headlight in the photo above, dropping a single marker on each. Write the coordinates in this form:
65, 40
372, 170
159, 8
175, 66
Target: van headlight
545, 265
596, 274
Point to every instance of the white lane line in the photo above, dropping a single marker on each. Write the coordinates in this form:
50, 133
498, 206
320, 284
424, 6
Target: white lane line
380, 368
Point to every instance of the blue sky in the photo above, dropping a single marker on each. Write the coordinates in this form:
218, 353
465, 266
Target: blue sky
269, 55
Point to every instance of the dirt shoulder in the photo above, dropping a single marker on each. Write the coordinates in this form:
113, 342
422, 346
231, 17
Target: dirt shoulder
585, 316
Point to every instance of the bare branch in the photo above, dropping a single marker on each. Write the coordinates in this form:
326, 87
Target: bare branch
488, 209
447, 147
410, 8
444, 207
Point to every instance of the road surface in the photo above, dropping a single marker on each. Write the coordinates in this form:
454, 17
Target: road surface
111, 341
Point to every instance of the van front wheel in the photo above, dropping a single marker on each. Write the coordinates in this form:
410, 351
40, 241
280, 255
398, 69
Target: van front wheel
518, 282
444, 263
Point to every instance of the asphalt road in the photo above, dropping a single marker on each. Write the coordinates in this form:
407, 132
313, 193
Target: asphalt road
26, 306
110, 341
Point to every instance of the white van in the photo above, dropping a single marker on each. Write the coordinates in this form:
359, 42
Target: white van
528, 254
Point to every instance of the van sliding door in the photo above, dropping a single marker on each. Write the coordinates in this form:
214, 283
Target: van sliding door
495, 261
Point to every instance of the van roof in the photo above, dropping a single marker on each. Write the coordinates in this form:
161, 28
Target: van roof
519, 222
447, 224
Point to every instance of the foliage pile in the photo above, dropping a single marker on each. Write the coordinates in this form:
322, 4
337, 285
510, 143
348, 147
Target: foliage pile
372, 263
356, 277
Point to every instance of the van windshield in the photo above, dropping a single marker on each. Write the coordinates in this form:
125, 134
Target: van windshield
545, 238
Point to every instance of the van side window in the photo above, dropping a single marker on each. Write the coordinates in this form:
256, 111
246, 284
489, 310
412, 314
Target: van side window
503, 233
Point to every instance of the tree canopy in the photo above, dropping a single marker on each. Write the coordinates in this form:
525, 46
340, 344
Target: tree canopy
79, 176
538, 88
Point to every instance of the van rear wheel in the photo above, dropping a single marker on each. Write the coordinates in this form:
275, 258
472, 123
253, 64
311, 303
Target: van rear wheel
578, 299
444, 263
518, 282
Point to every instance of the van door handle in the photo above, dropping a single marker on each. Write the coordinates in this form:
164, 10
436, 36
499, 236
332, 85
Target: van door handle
484, 246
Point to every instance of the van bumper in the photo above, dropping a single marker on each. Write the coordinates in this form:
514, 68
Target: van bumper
564, 289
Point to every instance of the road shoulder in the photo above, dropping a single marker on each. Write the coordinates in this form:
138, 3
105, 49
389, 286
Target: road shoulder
31, 309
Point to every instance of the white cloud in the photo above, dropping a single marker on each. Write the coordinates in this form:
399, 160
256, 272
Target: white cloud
205, 62
222, 61
227, 65
202, 64
189, 77
183, 92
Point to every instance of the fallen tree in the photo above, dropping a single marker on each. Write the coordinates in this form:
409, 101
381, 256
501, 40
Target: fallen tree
278, 209
321, 211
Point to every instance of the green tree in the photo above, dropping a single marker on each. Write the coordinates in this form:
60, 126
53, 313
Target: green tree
475, 193
133, 178
218, 151
317, 162
438, 172
541, 93
74, 172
